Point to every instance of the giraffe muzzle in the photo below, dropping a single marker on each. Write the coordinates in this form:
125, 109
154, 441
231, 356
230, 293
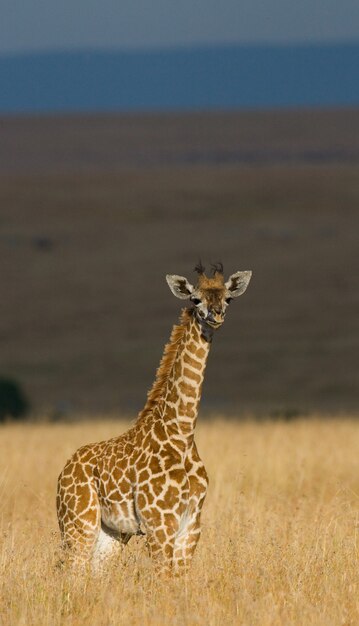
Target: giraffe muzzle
214, 322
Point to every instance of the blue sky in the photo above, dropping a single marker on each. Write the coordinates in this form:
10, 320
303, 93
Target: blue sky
44, 24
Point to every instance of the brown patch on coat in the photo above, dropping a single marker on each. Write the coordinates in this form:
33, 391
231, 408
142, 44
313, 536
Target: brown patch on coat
187, 408
189, 374
188, 390
171, 496
171, 522
79, 474
144, 475
158, 484
141, 501
160, 535
83, 494
173, 394
159, 431
192, 362
170, 413
201, 353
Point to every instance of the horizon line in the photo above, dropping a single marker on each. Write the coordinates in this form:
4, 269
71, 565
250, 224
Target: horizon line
185, 47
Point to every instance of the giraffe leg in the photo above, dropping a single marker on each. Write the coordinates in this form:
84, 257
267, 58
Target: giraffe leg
79, 539
161, 552
79, 517
190, 527
106, 545
161, 529
186, 541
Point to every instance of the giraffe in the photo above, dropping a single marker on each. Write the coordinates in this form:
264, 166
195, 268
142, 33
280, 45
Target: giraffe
151, 480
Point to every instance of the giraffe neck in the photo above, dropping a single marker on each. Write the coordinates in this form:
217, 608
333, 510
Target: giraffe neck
184, 386
176, 393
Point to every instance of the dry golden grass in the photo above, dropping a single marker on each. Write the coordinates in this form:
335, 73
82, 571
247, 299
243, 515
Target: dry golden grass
279, 542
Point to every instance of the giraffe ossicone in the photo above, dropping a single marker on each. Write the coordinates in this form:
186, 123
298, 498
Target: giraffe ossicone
151, 480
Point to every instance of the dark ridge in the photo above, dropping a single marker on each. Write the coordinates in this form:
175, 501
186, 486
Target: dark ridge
200, 78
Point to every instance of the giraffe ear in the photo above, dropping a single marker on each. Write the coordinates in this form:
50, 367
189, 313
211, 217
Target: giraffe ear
238, 283
179, 286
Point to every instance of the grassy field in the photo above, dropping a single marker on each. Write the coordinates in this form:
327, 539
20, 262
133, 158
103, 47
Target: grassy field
280, 536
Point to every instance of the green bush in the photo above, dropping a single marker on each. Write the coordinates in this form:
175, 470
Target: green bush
13, 402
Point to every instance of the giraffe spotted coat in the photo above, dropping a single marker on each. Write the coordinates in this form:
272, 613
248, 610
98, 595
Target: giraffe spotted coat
151, 479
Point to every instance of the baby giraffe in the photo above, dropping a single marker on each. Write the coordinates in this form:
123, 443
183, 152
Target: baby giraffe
151, 480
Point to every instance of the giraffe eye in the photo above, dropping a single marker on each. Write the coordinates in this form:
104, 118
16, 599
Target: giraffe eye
196, 301
228, 300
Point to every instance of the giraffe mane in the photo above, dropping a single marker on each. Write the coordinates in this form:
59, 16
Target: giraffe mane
167, 361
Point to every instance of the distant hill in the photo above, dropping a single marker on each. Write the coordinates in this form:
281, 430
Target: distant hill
225, 77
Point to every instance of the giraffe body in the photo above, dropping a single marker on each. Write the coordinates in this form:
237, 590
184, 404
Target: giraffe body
151, 479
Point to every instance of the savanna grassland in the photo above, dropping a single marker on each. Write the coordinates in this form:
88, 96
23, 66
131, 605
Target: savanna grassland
280, 531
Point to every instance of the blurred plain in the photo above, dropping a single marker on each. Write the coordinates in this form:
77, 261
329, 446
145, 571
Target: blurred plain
95, 210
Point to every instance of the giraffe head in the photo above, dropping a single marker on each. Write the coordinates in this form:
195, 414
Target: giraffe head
211, 296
